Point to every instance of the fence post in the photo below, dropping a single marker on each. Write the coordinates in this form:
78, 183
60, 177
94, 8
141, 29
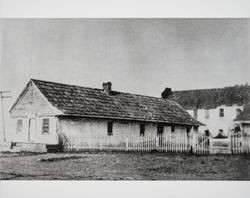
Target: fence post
127, 144
231, 143
100, 144
157, 139
166, 140
240, 142
248, 142
209, 144
170, 142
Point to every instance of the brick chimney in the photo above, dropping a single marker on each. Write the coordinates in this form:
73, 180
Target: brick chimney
167, 92
107, 88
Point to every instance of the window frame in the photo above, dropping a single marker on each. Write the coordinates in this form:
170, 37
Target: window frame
221, 131
142, 130
207, 133
110, 128
19, 127
45, 126
172, 128
221, 113
237, 129
160, 129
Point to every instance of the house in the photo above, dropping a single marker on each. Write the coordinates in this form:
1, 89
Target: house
216, 108
48, 113
242, 121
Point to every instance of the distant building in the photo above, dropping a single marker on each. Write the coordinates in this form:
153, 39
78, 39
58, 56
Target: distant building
46, 111
216, 108
242, 121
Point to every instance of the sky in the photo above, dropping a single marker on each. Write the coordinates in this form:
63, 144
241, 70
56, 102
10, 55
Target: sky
140, 56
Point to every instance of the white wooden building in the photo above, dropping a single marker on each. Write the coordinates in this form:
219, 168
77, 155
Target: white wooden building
216, 108
48, 113
242, 121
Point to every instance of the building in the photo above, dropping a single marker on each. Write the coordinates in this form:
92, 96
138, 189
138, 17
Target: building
48, 113
216, 108
242, 121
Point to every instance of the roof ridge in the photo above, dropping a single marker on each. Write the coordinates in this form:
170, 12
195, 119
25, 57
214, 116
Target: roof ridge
219, 88
96, 88
123, 105
53, 82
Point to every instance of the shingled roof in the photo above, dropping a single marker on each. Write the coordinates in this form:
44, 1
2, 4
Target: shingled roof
212, 98
92, 102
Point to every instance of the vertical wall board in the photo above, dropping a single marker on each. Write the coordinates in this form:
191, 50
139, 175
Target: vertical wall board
33, 105
214, 123
51, 137
32, 102
23, 135
93, 133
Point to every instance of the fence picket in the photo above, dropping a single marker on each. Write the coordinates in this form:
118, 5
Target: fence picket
170, 142
240, 143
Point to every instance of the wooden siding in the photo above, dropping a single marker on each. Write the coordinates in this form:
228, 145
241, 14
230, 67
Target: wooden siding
33, 103
97, 128
32, 107
214, 123
246, 128
34, 135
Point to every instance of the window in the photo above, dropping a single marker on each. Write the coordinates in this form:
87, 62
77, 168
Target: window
159, 130
221, 112
238, 111
110, 128
207, 133
45, 126
206, 114
19, 126
142, 129
195, 113
237, 129
172, 128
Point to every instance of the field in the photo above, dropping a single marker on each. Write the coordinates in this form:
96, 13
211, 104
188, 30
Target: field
123, 166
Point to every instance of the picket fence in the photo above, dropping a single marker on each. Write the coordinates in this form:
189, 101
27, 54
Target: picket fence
198, 144
168, 143
201, 144
240, 143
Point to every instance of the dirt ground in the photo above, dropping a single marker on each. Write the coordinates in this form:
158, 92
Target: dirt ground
123, 166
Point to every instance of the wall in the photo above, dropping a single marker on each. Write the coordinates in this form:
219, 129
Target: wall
33, 105
97, 128
35, 134
215, 122
246, 128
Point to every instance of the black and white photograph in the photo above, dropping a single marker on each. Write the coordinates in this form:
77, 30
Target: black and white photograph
125, 99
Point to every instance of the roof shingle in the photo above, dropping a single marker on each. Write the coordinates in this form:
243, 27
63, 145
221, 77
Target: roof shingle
84, 101
212, 98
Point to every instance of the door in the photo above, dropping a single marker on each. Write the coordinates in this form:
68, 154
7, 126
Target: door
32, 130
159, 135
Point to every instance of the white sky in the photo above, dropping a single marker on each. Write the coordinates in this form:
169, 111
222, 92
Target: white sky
137, 55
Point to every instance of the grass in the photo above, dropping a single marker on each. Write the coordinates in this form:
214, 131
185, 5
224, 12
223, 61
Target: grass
123, 166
